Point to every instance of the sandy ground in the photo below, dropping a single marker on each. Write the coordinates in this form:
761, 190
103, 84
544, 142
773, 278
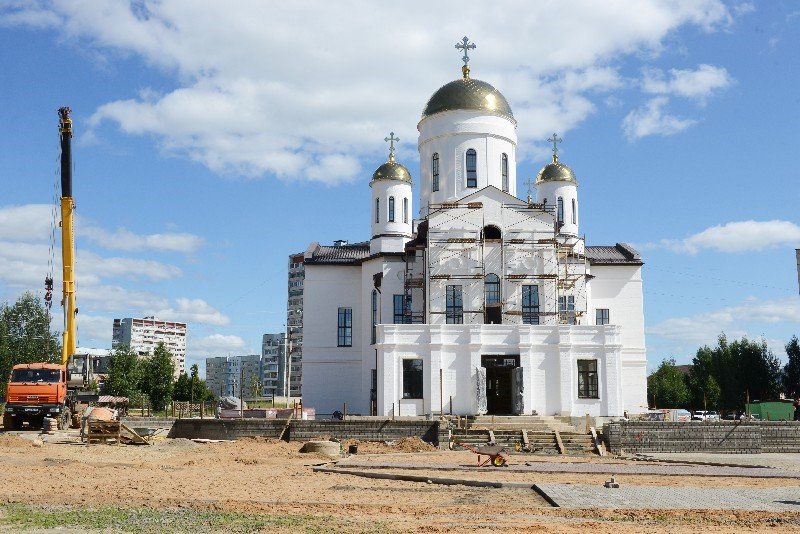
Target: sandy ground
265, 476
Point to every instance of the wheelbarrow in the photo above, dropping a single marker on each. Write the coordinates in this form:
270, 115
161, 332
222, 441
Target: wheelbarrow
493, 452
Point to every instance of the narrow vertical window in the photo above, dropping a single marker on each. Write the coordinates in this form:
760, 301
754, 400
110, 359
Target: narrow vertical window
455, 307
472, 168
377, 210
530, 304
405, 210
345, 327
504, 171
566, 309
435, 171
391, 209
574, 213
587, 379
601, 316
492, 289
374, 313
560, 211
399, 310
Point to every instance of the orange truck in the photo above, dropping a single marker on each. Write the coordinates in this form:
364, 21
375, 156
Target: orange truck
36, 391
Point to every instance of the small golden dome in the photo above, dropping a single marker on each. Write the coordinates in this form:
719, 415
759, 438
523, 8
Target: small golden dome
467, 93
556, 172
391, 170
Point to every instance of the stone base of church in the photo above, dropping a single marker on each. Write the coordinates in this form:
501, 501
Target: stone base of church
504, 369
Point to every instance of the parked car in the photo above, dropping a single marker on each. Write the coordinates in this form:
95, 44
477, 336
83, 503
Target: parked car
712, 416
699, 415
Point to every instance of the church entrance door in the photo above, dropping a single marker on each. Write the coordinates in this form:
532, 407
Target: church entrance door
499, 383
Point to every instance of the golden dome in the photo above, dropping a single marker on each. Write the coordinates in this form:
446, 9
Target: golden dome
391, 170
467, 93
556, 172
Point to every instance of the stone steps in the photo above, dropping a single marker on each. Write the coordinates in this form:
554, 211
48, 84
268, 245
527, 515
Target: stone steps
540, 442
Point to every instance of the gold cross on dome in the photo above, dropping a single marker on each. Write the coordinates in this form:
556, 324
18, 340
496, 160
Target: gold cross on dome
391, 139
555, 140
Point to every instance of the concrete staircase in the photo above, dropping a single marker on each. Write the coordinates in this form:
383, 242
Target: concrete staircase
508, 432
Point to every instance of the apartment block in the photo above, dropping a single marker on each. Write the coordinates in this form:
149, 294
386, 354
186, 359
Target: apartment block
294, 326
143, 335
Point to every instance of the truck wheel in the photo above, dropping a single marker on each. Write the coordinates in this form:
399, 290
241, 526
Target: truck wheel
8, 422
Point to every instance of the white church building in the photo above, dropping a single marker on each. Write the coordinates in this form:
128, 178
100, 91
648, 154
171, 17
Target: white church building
484, 304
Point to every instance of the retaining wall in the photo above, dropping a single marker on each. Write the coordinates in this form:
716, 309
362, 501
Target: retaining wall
381, 430
719, 436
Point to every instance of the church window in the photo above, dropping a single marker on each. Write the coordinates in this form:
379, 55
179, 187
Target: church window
412, 379
405, 210
601, 316
530, 304
566, 309
492, 289
374, 313
504, 172
587, 379
472, 168
399, 311
491, 232
574, 212
345, 327
560, 210
435, 171
377, 210
391, 209
455, 307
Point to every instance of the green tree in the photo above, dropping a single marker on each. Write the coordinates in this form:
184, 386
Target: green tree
158, 377
124, 374
704, 388
791, 371
25, 335
254, 387
667, 386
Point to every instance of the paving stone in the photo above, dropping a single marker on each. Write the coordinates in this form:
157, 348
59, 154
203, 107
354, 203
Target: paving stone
658, 497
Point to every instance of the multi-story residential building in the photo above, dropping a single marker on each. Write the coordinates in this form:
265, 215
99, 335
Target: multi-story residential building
143, 335
272, 361
217, 375
294, 328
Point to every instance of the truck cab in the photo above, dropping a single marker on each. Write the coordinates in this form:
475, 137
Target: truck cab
36, 391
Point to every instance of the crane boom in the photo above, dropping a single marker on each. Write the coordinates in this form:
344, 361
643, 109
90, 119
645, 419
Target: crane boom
69, 345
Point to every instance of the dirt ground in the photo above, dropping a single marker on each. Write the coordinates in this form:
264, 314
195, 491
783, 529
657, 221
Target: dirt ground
264, 476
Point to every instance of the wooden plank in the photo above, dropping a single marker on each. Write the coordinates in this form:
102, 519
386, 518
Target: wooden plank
286, 425
525, 437
491, 437
560, 444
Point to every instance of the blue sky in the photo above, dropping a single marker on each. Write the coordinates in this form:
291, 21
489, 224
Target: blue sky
214, 139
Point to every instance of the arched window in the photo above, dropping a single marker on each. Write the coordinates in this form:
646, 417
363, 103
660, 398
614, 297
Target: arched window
492, 289
504, 171
405, 210
377, 210
472, 168
391, 209
491, 232
574, 212
560, 210
435, 171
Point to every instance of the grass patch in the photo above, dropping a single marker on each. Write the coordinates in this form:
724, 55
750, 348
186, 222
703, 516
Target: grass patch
28, 517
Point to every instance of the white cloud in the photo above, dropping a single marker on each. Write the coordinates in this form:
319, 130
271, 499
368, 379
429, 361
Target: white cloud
739, 236
29, 222
744, 319
697, 84
123, 239
306, 90
215, 344
651, 120
192, 311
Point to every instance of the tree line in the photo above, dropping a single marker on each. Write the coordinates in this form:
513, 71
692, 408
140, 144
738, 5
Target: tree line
725, 377
136, 377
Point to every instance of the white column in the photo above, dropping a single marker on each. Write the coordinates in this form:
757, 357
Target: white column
566, 371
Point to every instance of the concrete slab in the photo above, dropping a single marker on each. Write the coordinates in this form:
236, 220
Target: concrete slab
778, 499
